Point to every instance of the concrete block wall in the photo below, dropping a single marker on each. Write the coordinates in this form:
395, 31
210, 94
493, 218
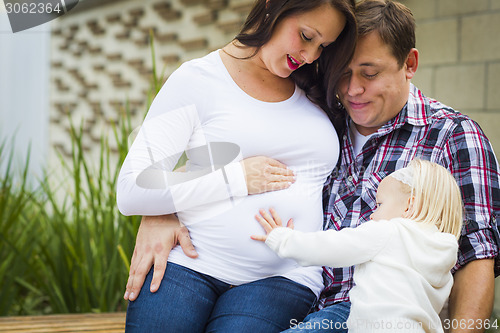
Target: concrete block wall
459, 47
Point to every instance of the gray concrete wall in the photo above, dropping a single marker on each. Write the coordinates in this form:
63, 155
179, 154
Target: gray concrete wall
24, 98
459, 44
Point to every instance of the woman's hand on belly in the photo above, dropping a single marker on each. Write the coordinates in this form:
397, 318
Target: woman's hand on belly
264, 174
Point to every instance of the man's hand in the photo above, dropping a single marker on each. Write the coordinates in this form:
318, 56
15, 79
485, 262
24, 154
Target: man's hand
264, 174
471, 299
156, 237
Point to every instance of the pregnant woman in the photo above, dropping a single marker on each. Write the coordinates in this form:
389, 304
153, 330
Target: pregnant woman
271, 91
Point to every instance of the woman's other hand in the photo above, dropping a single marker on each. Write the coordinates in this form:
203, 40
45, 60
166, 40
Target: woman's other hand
264, 174
269, 223
156, 237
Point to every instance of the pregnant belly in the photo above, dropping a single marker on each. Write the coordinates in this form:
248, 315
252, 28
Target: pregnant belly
224, 245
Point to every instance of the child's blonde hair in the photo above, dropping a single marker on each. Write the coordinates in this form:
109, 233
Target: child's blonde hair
436, 197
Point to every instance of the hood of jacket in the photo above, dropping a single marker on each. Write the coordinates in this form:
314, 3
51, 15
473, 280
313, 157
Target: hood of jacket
438, 250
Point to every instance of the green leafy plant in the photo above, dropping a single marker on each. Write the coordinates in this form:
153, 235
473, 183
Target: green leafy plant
79, 252
17, 234
64, 247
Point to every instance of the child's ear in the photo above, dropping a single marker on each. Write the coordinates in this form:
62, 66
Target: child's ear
409, 207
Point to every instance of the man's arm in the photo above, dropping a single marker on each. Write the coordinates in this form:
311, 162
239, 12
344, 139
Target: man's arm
156, 237
471, 299
473, 163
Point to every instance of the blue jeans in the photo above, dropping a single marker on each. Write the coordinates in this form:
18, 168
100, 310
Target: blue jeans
188, 301
330, 319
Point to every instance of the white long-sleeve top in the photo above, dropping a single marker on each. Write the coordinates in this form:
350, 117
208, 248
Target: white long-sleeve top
402, 270
202, 111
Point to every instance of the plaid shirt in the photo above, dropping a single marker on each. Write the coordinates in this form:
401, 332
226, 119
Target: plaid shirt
428, 130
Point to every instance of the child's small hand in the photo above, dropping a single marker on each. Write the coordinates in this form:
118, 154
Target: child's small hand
269, 222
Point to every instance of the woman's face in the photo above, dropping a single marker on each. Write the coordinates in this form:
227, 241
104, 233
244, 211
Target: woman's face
298, 40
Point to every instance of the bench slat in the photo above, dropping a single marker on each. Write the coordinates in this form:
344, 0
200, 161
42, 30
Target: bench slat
92, 322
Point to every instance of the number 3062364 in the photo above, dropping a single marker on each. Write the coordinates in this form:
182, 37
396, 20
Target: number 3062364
470, 324
33, 8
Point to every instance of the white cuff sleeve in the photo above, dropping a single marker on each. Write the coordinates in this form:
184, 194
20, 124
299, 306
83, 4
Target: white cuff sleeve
236, 179
276, 238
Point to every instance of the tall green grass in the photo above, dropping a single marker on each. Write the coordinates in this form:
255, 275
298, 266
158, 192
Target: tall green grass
17, 233
79, 251
64, 247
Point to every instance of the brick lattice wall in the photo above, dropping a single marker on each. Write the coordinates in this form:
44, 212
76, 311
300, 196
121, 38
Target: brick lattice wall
101, 58
459, 48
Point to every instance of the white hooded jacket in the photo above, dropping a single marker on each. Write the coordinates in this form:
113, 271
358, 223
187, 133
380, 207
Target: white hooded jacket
402, 270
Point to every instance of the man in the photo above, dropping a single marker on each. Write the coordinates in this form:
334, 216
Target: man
389, 123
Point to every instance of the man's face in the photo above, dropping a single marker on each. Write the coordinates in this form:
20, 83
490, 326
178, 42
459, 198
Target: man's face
374, 87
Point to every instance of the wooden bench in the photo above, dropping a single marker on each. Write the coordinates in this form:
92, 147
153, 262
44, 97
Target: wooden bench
87, 322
